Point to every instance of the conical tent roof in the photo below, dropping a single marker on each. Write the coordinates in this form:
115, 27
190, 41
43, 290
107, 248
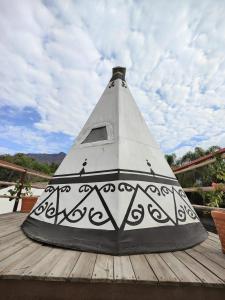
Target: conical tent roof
114, 192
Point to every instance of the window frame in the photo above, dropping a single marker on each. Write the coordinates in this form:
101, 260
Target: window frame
110, 135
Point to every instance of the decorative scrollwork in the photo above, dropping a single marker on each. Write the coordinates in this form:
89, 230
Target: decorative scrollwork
49, 207
123, 186
109, 187
50, 189
191, 213
137, 215
50, 211
181, 214
157, 215
46, 205
76, 215
65, 188
97, 215
85, 188
181, 193
153, 189
40, 209
165, 190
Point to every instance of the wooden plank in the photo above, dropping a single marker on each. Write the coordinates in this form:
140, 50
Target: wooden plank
203, 189
10, 237
213, 234
16, 218
213, 244
103, 268
16, 257
9, 231
194, 165
40, 185
12, 222
123, 269
84, 267
13, 249
142, 270
213, 237
5, 215
5, 228
12, 215
16, 213
15, 167
26, 264
65, 264
182, 272
207, 263
9, 223
19, 236
161, 269
218, 258
42, 268
199, 270
211, 247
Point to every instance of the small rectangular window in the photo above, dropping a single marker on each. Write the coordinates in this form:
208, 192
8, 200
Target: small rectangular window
96, 134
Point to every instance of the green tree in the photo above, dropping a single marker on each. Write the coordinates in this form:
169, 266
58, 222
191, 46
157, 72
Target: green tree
171, 159
27, 162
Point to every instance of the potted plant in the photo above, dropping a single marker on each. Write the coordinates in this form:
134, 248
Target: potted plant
219, 215
28, 200
219, 220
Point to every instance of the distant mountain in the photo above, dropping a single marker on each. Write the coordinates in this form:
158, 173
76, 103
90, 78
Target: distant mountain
48, 158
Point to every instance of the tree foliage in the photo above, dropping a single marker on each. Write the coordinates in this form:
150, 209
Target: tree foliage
27, 162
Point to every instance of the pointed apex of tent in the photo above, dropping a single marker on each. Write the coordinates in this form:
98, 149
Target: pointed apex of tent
118, 73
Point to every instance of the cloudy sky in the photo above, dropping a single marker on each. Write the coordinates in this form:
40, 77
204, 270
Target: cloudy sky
56, 59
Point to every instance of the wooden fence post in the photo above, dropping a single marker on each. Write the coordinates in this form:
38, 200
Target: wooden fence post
22, 178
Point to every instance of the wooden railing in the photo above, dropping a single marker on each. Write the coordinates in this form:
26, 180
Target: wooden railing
20, 169
24, 172
204, 188
37, 185
206, 208
200, 162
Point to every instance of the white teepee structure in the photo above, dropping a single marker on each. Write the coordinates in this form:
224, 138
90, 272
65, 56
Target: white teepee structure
114, 192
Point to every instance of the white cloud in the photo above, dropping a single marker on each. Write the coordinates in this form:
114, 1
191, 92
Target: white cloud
6, 150
28, 139
56, 57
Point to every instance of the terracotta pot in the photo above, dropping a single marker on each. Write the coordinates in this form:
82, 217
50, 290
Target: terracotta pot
219, 220
28, 203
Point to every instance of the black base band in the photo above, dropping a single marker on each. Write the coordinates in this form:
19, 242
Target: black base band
138, 241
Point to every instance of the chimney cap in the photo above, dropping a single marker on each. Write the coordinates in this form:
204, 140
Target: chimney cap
118, 73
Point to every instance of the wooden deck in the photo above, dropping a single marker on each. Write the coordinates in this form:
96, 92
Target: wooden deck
29, 270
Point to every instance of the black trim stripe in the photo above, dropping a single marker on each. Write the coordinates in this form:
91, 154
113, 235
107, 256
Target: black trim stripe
137, 241
94, 172
114, 177
112, 171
